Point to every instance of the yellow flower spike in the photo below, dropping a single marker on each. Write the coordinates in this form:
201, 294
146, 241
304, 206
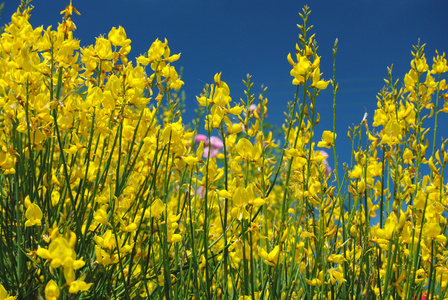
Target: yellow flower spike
419, 64
159, 49
300, 70
51, 291
439, 66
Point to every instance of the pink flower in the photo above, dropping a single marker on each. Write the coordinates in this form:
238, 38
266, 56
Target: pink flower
253, 107
325, 162
200, 138
215, 144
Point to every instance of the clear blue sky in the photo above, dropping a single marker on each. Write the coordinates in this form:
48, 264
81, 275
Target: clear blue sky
237, 37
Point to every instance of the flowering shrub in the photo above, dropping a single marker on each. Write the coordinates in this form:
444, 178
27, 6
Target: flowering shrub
106, 194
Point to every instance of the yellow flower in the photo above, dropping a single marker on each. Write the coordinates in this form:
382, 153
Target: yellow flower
272, 258
336, 258
419, 64
68, 11
439, 66
300, 70
316, 281
51, 291
117, 37
103, 49
61, 253
33, 213
432, 228
248, 151
328, 138
335, 275
79, 285
4, 295
317, 83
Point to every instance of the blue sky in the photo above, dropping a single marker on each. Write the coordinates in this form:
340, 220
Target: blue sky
237, 37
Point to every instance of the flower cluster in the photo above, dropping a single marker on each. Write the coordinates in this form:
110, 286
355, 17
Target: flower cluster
106, 193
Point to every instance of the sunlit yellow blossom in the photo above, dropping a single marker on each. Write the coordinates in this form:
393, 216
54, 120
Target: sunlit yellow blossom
300, 70
328, 138
317, 82
248, 151
117, 37
439, 66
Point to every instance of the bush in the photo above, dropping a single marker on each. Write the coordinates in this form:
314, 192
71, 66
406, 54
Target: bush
106, 193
